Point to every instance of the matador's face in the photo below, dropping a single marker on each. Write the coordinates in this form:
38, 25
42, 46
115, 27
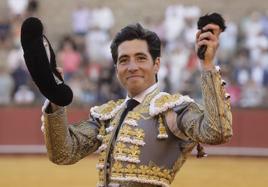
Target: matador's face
135, 67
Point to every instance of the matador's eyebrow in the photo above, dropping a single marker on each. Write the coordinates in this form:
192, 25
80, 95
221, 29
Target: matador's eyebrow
140, 54
123, 56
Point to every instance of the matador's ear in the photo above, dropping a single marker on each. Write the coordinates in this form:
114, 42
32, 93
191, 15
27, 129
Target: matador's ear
40, 61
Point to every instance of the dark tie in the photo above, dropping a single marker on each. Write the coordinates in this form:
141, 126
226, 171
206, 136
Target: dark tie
131, 103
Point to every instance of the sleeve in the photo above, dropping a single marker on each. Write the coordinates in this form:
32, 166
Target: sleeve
211, 124
67, 144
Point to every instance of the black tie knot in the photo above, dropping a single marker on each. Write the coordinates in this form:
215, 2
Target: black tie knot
131, 103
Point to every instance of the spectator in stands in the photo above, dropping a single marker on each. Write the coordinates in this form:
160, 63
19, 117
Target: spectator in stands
32, 8
242, 67
17, 68
264, 23
15, 29
5, 33
174, 22
178, 59
68, 58
177, 26
81, 20
191, 15
252, 94
6, 85
24, 95
103, 18
228, 41
97, 45
257, 74
17, 7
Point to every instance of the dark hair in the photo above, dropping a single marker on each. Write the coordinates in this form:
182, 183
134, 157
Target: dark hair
136, 31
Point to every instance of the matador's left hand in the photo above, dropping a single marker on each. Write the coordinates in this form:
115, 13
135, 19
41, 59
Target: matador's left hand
211, 40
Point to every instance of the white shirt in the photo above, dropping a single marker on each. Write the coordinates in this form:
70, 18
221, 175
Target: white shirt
142, 95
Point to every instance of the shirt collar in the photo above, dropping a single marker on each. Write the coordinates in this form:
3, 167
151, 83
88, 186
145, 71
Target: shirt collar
142, 95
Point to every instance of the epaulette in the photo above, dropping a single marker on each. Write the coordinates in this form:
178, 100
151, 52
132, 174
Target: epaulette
107, 110
164, 101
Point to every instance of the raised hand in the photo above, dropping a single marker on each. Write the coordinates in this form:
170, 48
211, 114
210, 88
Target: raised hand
211, 40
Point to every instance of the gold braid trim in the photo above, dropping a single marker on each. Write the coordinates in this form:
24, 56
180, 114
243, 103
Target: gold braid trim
164, 101
149, 174
107, 110
162, 133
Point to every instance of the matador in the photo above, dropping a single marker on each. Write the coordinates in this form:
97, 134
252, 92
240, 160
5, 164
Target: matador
144, 139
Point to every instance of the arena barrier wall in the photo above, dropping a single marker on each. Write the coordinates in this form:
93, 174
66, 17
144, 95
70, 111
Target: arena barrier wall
20, 131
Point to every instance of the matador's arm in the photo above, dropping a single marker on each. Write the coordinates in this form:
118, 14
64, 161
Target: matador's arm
211, 124
67, 144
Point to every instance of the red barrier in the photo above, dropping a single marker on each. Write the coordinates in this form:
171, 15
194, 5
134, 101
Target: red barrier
21, 126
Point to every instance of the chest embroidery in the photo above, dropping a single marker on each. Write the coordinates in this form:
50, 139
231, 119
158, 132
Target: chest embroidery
126, 163
129, 140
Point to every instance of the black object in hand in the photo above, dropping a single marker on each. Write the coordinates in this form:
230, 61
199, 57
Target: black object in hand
42, 67
214, 18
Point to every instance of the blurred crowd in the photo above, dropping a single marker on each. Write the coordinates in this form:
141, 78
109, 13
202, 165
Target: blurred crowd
84, 54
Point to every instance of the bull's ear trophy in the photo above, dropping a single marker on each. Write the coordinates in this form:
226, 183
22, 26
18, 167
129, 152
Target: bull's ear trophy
41, 63
203, 21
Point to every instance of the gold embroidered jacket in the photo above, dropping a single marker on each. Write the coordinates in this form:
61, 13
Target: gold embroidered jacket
154, 139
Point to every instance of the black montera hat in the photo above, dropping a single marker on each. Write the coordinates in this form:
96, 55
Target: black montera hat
214, 18
40, 61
